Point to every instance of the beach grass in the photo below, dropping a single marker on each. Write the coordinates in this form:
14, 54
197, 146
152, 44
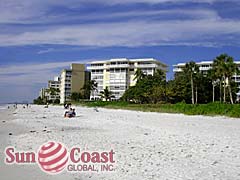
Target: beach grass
210, 109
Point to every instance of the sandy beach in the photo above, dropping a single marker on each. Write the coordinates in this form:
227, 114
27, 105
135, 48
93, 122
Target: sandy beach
147, 145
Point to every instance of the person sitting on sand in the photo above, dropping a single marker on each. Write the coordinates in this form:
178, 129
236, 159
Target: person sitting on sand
73, 114
70, 113
67, 112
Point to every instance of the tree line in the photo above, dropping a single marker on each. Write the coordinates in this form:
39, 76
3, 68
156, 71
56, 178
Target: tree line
43, 100
190, 85
90, 88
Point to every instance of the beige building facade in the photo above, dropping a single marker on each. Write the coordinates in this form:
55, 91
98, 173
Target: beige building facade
118, 74
72, 80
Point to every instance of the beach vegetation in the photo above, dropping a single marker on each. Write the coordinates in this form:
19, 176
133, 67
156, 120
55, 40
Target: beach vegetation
106, 94
88, 88
76, 96
39, 101
189, 86
210, 109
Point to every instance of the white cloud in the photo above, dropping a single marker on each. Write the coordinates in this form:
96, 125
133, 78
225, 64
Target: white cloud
23, 82
174, 13
200, 27
46, 51
131, 33
29, 74
29, 11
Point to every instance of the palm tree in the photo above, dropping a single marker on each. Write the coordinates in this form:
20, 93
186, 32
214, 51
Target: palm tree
89, 88
191, 69
106, 94
76, 96
138, 75
231, 69
197, 76
160, 75
93, 86
52, 91
225, 68
159, 78
218, 68
213, 76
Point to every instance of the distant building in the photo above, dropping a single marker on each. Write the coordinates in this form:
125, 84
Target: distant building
118, 74
52, 92
204, 66
55, 85
72, 80
42, 93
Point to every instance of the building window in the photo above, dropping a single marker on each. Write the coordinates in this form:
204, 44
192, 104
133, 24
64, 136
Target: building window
97, 64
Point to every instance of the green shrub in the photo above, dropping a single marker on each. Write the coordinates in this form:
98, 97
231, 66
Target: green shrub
211, 109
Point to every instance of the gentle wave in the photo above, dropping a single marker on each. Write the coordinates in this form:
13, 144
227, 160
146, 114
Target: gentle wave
2, 107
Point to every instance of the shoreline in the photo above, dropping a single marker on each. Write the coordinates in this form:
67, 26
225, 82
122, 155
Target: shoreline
19, 172
8, 126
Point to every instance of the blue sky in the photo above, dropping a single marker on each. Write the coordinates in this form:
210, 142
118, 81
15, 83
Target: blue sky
39, 38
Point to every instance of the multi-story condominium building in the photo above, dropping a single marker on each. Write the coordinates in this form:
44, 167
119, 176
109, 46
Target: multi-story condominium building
72, 80
118, 74
204, 66
54, 84
52, 92
42, 93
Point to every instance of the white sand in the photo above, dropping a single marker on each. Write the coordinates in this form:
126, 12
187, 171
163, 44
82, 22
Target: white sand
147, 145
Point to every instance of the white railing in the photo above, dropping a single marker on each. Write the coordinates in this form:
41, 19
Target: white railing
146, 66
204, 68
177, 70
118, 66
95, 67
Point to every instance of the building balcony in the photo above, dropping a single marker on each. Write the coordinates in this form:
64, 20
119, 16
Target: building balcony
177, 70
95, 67
115, 89
146, 66
118, 66
204, 68
118, 84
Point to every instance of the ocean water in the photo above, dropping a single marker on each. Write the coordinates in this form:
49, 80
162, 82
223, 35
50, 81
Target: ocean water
3, 106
